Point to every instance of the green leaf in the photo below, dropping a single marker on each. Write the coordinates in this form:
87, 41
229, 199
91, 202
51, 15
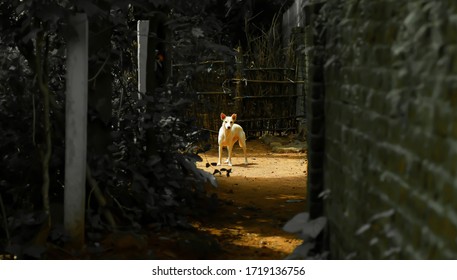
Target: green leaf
313, 227
301, 252
197, 32
362, 229
297, 223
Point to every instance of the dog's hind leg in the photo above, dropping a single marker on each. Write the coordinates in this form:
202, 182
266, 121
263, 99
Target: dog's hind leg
242, 143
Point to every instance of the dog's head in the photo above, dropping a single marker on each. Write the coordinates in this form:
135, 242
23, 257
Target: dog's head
227, 122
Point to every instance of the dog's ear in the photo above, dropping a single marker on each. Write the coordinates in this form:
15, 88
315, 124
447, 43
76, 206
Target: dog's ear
234, 117
223, 116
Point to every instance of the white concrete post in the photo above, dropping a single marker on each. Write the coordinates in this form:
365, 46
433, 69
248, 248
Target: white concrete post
143, 36
76, 130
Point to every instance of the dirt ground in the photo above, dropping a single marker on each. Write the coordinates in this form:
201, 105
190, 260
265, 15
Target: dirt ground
242, 218
258, 200
254, 202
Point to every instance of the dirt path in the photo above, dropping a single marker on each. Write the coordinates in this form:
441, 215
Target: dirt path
244, 222
256, 201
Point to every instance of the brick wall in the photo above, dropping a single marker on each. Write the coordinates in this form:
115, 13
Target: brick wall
390, 160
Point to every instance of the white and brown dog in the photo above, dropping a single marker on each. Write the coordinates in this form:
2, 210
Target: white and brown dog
229, 133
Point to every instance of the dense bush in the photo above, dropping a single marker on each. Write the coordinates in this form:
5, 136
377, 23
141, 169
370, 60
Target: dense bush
137, 187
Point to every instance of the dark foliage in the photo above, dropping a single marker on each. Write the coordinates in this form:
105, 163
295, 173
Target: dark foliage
155, 187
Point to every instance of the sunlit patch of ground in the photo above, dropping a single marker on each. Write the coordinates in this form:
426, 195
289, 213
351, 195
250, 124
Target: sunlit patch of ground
256, 201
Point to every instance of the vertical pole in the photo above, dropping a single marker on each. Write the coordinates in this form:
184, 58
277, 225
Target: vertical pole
298, 35
143, 36
76, 131
239, 77
142, 56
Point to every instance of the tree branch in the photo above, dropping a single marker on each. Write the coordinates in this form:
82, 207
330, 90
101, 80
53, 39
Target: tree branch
95, 189
101, 68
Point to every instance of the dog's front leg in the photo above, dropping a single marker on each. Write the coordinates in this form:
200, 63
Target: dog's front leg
229, 158
220, 155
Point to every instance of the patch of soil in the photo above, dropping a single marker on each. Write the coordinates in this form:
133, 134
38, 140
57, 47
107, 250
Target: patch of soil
242, 218
255, 202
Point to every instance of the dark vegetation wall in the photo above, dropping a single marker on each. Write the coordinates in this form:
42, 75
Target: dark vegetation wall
390, 160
